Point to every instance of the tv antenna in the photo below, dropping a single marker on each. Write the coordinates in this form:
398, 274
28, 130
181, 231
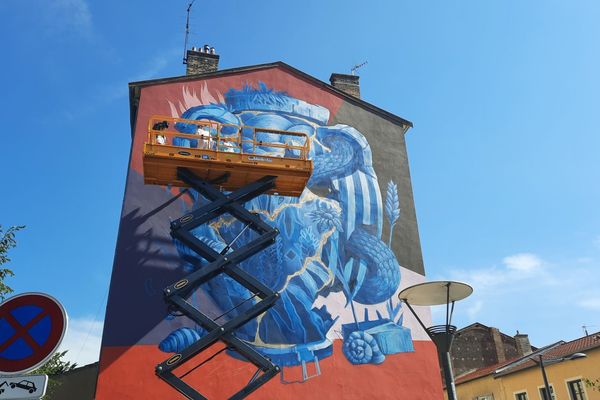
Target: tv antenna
187, 31
357, 66
584, 327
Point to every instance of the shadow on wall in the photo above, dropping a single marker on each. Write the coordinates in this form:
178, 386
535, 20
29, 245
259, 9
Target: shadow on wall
145, 247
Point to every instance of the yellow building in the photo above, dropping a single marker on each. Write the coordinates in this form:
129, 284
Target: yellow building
521, 378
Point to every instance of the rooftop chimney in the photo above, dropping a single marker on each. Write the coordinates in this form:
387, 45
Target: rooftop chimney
346, 83
523, 345
201, 60
498, 344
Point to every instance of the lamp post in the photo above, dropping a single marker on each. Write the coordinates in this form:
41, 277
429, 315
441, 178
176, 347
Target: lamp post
434, 294
541, 362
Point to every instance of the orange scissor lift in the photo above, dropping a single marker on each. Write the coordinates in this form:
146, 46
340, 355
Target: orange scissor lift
242, 153
212, 158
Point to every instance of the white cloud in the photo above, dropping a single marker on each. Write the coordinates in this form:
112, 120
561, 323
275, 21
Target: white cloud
82, 340
527, 292
109, 92
71, 16
523, 262
514, 269
474, 310
158, 63
592, 303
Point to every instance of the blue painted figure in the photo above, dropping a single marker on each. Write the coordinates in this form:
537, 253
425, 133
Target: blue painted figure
330, 238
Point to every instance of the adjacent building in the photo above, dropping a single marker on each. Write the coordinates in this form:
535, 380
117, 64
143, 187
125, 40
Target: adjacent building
520, 378
477, 346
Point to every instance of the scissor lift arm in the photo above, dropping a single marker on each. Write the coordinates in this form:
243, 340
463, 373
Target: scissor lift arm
220, 262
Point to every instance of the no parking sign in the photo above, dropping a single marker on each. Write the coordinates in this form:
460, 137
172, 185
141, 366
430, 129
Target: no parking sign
32, 325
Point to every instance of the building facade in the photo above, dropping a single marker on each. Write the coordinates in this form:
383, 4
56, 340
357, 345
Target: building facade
345, 249
477, 346
521, 378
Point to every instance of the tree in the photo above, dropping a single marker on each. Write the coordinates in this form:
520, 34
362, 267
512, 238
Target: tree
55, 365
7, 242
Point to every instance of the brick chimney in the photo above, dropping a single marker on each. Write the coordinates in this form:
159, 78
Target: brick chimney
201, 60
523, 345
498, 344
346, 83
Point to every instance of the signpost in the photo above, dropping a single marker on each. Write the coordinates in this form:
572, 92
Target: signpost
32, 326
23, 387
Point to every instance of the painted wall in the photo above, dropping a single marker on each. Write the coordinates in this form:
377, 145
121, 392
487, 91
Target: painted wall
347, 246
530, 380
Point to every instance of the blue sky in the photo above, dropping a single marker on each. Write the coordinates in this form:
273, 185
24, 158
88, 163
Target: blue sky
504, 96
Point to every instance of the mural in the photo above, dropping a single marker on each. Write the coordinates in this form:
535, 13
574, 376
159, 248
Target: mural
346, 247
329, 241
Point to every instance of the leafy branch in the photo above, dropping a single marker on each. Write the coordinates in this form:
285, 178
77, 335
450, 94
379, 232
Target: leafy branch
54, 366
7, 242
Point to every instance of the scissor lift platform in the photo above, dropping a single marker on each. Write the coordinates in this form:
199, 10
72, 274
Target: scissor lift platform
210, 150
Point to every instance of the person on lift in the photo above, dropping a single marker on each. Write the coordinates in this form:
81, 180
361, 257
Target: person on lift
205, 141
160, 126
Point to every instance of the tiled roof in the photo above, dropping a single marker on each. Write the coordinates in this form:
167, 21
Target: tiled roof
556, 350
481, 372
562, 350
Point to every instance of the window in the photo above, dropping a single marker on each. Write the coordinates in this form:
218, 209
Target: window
544, 395
576, 390
521, 396
485, 397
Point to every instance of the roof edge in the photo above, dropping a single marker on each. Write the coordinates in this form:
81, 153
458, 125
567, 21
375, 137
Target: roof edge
134, 90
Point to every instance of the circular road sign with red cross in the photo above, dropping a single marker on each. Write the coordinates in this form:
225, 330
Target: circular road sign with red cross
32, 326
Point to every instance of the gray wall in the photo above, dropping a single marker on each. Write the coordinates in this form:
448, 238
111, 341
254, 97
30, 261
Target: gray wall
390, 161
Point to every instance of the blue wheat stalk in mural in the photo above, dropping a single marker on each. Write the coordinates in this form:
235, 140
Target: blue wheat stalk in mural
395, 312
350, 285
392, 207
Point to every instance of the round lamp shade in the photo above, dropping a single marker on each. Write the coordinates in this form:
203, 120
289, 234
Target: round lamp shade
435, 293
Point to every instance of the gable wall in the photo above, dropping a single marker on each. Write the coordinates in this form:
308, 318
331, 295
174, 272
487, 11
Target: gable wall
344, 213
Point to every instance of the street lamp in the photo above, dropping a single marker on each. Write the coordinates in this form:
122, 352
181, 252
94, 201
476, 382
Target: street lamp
435, 294
550, 361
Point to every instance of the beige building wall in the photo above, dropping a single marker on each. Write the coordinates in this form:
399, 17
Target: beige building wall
484, 386
530, 380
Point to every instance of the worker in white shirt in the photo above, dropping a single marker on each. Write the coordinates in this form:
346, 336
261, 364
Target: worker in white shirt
205, 141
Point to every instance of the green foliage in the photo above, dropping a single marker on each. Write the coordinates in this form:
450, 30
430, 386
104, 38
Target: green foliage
54, 366
592, 384
7, 242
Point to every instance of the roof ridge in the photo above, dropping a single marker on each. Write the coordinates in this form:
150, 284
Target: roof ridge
528, 357
134, 88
